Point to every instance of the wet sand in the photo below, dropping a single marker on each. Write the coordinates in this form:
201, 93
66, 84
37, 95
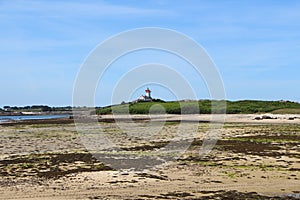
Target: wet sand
254, 159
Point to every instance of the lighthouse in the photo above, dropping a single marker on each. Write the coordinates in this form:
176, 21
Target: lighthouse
148, 93
145, 98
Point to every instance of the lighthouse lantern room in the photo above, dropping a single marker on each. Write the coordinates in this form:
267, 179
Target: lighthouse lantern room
148, 93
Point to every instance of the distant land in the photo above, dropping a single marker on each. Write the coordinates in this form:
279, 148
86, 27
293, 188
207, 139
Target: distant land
169, 107
204, 107
34, 110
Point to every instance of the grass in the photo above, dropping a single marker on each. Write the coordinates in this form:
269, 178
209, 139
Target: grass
204, 107
287, 111
171, 123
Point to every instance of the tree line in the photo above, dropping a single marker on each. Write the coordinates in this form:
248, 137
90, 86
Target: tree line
42, 108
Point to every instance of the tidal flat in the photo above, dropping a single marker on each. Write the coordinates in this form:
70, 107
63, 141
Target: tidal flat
251, 160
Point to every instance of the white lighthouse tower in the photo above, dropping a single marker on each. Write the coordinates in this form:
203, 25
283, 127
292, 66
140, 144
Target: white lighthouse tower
148, 93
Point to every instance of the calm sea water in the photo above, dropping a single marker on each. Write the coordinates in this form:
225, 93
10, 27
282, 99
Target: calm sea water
26, 117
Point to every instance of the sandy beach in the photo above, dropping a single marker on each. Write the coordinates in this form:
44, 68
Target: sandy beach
257, 157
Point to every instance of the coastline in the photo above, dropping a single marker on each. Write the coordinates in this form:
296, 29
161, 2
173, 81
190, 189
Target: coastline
226, 118
266, 118
25, 113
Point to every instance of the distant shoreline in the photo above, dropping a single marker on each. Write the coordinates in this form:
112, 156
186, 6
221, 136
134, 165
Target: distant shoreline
188, 118
208, 118
66, 120
35, 113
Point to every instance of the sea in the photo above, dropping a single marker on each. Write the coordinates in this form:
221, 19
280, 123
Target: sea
30, 117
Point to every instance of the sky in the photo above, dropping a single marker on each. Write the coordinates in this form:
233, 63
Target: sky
255, 46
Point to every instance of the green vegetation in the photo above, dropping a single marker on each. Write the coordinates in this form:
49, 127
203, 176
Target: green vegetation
287, 111
203, 107
252, 106
34, 108
229, 174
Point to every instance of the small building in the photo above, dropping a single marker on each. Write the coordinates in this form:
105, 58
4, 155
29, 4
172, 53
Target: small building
145, 98
7, 108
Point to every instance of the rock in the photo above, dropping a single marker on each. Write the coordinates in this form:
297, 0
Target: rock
266, 117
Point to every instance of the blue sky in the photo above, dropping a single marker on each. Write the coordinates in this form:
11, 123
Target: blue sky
254, 44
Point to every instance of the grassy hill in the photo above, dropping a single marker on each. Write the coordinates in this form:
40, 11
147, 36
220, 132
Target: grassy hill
204, 106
